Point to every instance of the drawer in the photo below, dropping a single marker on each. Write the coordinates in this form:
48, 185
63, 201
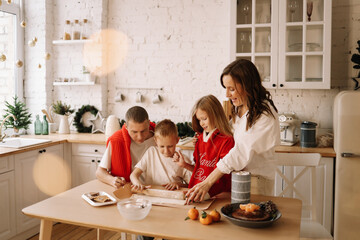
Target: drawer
6, 163
88, 149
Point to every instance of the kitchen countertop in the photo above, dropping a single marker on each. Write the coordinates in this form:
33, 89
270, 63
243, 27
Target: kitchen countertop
99, 138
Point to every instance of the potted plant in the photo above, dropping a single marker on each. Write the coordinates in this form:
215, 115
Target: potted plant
63, 110
355, 58
87, 74
19, 110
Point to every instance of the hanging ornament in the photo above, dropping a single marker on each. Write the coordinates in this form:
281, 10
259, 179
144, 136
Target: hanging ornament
47, 56
23, 23
31, 43
39, 66
2, 57
8, 1
34, 39
19, 63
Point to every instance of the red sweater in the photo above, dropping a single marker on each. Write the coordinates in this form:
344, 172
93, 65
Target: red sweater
206, 155
120, 152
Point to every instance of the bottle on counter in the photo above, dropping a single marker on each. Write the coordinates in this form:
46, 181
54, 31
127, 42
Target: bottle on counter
37, 125
67, 30
45, 126
76, 31
84, 33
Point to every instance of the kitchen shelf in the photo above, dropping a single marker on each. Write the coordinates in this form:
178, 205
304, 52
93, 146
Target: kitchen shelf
73, 83
71, 42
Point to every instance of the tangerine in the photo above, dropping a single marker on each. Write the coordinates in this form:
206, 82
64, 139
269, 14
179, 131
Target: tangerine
193, 213
215, 215
205, 218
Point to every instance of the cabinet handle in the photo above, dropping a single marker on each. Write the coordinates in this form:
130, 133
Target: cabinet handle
274, 85
92, 160
44, 150
96, 150
98, 161
281, 85
40, 151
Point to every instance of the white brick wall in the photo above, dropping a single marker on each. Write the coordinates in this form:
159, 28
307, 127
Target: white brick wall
180, 45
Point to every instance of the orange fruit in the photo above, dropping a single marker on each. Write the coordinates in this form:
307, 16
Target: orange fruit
215, 215
193, 214
205, 218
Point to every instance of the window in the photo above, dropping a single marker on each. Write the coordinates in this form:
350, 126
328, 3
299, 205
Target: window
11, 48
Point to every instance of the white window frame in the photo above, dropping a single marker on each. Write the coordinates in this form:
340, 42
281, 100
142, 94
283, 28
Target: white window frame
19, 49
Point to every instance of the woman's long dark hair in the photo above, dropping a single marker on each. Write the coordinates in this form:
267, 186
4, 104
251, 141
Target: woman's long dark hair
244, 73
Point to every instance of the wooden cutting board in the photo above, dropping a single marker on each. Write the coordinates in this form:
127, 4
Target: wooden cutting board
159, 196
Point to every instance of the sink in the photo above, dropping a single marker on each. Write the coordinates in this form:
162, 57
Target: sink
21, 142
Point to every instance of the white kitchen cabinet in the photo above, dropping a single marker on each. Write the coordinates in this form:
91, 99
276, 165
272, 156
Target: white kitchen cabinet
7, 200
85, 159
27, 192
289, 50
324, 186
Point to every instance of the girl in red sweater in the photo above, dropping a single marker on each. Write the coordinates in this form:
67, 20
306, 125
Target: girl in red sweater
214, 140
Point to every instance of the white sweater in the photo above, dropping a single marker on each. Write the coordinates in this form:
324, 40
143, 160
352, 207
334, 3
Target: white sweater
254, 149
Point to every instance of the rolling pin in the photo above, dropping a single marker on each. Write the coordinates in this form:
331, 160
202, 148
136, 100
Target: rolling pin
162, 193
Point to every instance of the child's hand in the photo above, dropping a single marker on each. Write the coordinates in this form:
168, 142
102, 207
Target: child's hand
179, 159
139, 187
195, 138
118, 182
172, 186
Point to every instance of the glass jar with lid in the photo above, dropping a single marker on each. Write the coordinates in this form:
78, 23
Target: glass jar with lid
76, 30
67, 30
84, 31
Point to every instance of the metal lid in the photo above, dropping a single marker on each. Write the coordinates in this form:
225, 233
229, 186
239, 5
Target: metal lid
308, 124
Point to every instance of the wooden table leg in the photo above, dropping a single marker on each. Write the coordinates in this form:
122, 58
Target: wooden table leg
100, 234
45, 229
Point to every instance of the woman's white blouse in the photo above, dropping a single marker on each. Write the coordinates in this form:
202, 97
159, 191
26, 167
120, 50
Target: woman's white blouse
254, 149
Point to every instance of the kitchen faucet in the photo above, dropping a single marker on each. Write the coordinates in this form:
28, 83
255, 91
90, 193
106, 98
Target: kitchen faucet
1, 126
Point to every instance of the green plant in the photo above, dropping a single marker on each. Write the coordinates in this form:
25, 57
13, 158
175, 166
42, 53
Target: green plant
185, 129
355, 58
85, 70
62, 108
21, 114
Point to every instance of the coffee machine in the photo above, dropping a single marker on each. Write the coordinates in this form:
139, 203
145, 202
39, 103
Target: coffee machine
288, 128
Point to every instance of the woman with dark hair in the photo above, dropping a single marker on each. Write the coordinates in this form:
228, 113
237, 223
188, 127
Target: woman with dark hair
256, 131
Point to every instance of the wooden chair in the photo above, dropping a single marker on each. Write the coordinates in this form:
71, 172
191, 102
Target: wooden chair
311, 227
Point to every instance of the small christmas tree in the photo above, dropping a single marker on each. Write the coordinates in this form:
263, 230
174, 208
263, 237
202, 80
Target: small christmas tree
21, 114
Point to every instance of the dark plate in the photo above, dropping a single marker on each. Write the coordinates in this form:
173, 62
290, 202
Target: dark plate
228, 209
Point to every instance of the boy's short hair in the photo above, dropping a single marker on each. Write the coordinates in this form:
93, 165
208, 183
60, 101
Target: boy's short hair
136, 114
166, 128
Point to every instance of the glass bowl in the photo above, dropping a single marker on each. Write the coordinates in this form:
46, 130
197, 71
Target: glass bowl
134, 209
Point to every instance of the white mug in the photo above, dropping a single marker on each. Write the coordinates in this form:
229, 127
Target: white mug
139, 97
119, 97
156, 99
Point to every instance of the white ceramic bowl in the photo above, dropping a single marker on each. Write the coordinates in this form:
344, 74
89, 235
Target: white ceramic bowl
134, 209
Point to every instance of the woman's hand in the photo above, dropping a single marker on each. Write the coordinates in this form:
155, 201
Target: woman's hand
172, 186
197, 192
118, 182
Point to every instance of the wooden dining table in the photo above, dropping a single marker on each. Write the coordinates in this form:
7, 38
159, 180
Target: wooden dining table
162, 222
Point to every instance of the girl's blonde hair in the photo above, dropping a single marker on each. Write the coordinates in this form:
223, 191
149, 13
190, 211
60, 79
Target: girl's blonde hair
211, 105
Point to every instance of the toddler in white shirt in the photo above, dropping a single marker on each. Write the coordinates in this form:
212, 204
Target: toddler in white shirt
157, 165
